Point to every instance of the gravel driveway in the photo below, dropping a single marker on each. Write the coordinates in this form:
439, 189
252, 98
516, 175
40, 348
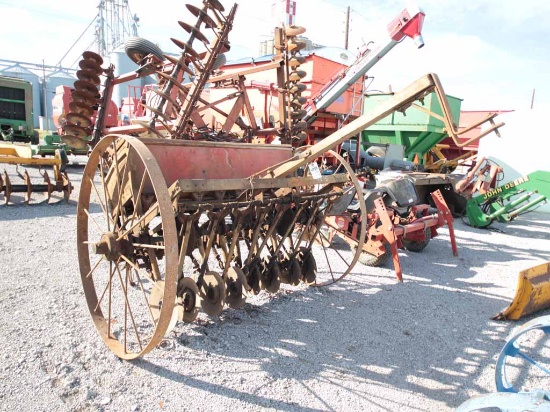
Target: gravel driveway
365, 343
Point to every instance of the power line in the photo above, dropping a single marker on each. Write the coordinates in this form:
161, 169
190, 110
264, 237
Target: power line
77, 40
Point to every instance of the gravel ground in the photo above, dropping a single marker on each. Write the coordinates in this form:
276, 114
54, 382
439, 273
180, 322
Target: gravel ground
365, 343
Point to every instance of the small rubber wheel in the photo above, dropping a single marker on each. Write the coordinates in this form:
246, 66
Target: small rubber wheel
376, 151
220, 61
368, 259
137, 48
418, 246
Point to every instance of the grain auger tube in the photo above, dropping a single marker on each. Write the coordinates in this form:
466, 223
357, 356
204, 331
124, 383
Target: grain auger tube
168, 226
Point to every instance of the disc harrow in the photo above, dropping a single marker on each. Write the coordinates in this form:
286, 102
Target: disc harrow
22, 155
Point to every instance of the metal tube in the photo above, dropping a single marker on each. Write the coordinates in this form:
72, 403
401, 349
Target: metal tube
527, 206
509, 206
21, 188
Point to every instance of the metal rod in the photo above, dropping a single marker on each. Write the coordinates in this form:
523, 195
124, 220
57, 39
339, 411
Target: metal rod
509, 206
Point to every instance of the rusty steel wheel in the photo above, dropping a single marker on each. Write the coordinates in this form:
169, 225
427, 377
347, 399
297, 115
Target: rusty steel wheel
326, 255
127, 246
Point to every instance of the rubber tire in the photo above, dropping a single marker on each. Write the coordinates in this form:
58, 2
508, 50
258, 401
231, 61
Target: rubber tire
376, 151
376, 261
418, 246
137, 48
220, 61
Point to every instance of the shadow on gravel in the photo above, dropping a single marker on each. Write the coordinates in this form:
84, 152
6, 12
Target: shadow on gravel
220, 390
359, 340
366, 338
37, 209
476, 246
531, 225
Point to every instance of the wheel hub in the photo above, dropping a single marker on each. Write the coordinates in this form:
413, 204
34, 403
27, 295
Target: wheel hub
112, 248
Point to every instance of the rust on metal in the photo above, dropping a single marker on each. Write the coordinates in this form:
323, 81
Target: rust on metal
191, 215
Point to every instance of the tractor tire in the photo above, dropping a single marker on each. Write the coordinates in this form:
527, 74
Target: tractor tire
376, 261
137, 48
418, 246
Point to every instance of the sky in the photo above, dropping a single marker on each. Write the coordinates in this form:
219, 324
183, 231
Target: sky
493, 54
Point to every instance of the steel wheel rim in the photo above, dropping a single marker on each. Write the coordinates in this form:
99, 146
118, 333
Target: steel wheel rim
322, 245
115, 274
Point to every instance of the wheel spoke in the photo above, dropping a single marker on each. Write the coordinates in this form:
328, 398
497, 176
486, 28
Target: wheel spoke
327, 240
100, 200
327, 258
125, 312
137, 270
95, 267
127, 305
107, 287
143, 218
533, 362
110, 284
120, 187
93, 220
136, 267
145, 297
107, 199
137, 199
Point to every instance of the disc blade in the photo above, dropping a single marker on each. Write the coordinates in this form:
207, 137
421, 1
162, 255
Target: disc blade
187, 300
73, 141
236, 286
212, 293
76, 131
78, 119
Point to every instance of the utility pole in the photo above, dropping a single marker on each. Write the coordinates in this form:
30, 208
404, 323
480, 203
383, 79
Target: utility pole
533, 98
347, 29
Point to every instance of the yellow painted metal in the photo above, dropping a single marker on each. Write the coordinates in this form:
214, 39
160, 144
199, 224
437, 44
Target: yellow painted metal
21, 154
532, 294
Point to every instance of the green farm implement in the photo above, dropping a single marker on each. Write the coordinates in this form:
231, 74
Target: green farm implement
506, 202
